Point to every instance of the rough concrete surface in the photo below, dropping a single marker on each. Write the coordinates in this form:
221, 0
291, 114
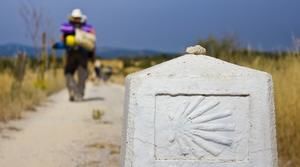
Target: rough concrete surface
199, 111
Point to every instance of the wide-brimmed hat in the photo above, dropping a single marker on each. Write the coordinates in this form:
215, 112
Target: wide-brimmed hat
76, 13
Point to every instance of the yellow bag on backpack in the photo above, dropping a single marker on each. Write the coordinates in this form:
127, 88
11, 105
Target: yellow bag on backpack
70, 41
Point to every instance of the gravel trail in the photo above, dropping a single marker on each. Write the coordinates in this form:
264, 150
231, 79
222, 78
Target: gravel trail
65, 134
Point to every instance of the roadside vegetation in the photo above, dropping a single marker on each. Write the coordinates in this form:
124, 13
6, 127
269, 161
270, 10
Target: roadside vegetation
19, 92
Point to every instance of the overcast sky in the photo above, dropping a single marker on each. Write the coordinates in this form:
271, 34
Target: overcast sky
168, 25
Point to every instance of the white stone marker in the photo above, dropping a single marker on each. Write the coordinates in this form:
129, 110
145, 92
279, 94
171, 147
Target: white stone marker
198, 111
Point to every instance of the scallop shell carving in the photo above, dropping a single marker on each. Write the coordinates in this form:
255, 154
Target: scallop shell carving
196, 126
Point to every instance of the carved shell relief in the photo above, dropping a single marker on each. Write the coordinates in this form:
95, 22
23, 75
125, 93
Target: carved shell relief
195, 130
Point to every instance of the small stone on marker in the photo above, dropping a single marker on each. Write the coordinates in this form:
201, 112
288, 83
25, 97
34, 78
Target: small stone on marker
196, 50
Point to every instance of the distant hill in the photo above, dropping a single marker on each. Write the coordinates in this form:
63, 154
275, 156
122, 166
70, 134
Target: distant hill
110, 52
105, 52
11, 49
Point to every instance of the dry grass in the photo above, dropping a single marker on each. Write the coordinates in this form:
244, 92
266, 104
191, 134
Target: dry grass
116, 64
286, 76
13, 101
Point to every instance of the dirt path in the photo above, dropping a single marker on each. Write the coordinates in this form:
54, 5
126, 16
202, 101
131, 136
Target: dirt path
64, 134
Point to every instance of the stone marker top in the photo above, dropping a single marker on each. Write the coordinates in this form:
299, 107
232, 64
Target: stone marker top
191, 65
